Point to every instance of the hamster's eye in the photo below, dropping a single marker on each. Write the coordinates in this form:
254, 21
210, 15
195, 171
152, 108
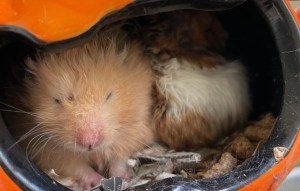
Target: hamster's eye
57, 101
71, 97
108, 96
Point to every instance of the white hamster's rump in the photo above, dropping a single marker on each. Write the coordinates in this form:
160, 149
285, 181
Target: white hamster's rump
197, 105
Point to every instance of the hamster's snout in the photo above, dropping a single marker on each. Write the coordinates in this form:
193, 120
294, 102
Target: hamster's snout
89, 139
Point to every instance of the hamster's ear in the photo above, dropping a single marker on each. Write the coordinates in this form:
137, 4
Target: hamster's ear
31, 68
202, 29
216, 34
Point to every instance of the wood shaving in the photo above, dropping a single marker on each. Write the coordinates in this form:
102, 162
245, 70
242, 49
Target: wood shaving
260, 130
226, 163
157, 162
279, 153
241, 147
179, 157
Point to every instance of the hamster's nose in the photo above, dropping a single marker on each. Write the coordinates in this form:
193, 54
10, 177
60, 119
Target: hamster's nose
89, 139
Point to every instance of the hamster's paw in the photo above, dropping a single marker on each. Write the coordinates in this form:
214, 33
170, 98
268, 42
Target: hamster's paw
125, 172
90, 180
85, 183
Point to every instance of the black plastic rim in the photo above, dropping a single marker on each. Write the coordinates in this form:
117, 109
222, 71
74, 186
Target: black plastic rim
138, 8
285, 34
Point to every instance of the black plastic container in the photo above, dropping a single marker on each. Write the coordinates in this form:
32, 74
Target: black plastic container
262, 33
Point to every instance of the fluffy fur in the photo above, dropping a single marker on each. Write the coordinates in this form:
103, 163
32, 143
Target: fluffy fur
199, 95
89, 108
196, 105
182, 33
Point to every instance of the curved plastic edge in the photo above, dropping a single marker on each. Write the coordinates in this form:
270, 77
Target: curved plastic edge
265, 173
273, 177
6, 183
126, 9
51, 21
17, 174
15, 165
294, 12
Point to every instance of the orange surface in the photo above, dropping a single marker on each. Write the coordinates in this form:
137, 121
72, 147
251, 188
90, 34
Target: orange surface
54, 20
296, 12
6, 184
273, 178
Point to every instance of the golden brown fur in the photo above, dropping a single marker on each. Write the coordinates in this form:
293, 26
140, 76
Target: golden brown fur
103, 86
195, 85
184, 133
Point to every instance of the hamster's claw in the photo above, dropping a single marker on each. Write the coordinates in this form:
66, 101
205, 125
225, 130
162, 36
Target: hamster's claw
125, 173
89, 181
85, 183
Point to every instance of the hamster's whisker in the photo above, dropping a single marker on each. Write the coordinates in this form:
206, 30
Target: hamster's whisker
37, 145
43, 135
75, 146
36, 149
27, 134
56, 145
17, 110
45, 144
141, 142
34, 142
53, 125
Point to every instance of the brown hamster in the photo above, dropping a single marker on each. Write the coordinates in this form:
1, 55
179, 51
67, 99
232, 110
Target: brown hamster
89, 108
200, 96
195, 105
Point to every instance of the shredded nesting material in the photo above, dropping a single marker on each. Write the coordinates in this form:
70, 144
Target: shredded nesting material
226, 163
157, 163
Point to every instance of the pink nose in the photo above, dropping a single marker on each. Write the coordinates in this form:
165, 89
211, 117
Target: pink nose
88, 138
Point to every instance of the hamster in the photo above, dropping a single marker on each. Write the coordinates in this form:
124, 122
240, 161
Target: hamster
195, 105
86, 109
200, 96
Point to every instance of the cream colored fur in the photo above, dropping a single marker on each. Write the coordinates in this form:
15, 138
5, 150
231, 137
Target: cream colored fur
81, 79
216, 93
